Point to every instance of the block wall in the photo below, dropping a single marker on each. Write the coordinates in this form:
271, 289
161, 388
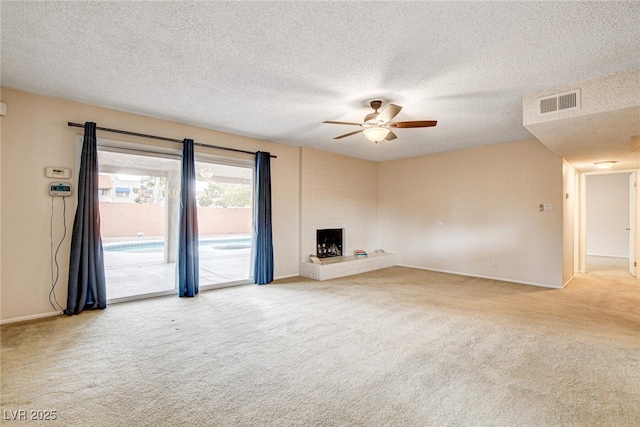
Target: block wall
338, 191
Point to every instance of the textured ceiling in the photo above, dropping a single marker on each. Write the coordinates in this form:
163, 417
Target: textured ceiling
276, 70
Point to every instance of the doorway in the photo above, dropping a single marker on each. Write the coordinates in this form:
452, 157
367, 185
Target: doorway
611, 220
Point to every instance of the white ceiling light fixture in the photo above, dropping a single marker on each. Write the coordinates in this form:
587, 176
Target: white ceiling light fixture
605, 165
376, 134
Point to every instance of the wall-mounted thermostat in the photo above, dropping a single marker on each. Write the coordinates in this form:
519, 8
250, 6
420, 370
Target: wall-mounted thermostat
59, 173
60, 189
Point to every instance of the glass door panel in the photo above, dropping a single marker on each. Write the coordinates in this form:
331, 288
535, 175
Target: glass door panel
139, 207
225, 208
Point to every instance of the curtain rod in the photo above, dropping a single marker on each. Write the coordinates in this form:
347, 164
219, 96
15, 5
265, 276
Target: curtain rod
162, 138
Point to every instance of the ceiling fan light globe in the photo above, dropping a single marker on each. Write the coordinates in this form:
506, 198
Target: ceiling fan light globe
376, 134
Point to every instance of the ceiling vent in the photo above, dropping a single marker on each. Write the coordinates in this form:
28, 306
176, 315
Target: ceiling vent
560, 102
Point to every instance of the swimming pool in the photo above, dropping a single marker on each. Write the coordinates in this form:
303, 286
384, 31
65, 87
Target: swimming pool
222, 243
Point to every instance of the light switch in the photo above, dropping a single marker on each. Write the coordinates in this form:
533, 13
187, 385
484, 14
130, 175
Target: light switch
56, 172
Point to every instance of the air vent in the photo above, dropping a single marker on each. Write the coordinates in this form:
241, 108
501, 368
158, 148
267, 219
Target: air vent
560, 102
548, 105
567, 101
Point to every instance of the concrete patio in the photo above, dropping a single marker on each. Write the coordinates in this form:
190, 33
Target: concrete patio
130, 274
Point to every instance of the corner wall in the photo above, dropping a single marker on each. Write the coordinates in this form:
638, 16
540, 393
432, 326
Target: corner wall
35, 135
569, 221
466, 211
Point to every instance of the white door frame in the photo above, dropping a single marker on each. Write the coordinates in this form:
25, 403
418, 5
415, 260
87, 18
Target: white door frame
582, 220
633, 223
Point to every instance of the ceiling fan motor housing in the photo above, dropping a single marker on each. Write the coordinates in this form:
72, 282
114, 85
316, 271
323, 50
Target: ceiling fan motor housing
376, 105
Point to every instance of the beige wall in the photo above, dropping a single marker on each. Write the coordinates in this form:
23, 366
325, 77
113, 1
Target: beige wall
35, 135
461, 210
1, 121
338, 192
569, 222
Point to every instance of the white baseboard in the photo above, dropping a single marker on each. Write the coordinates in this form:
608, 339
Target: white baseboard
502, 279
286, 276
568, 281
609, 256
32, 317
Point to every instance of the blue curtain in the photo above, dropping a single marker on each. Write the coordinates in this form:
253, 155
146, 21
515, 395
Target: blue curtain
87, 287
263, 251
188, 262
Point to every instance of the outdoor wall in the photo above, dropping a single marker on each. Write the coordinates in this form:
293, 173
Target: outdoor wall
607, 215
461, 211
338, 192
129, 219
35, 135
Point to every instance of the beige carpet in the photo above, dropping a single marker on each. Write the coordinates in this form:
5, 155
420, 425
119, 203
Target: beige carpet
388, 348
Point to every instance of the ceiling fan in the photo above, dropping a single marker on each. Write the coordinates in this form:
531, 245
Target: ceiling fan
376, 126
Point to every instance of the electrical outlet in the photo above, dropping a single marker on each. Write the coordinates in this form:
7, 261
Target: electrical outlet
494, 263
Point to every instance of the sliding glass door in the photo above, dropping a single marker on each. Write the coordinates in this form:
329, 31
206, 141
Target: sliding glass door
225, 197
139, 209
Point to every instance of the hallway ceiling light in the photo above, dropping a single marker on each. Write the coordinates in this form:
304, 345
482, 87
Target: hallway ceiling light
605, 165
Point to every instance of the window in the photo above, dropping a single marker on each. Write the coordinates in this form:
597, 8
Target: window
122, 191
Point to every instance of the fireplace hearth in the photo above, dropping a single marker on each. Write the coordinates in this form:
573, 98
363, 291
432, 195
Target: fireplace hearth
329, 242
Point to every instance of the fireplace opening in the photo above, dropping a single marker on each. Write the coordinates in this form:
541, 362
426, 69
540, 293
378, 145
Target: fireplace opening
329, 242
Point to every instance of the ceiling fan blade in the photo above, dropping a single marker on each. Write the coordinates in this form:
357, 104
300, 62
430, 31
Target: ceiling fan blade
414, 124
348, 134
388, 113
391, 136
342, 123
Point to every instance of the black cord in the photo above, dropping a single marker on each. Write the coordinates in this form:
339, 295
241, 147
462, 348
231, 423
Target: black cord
51, 253
54, 256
